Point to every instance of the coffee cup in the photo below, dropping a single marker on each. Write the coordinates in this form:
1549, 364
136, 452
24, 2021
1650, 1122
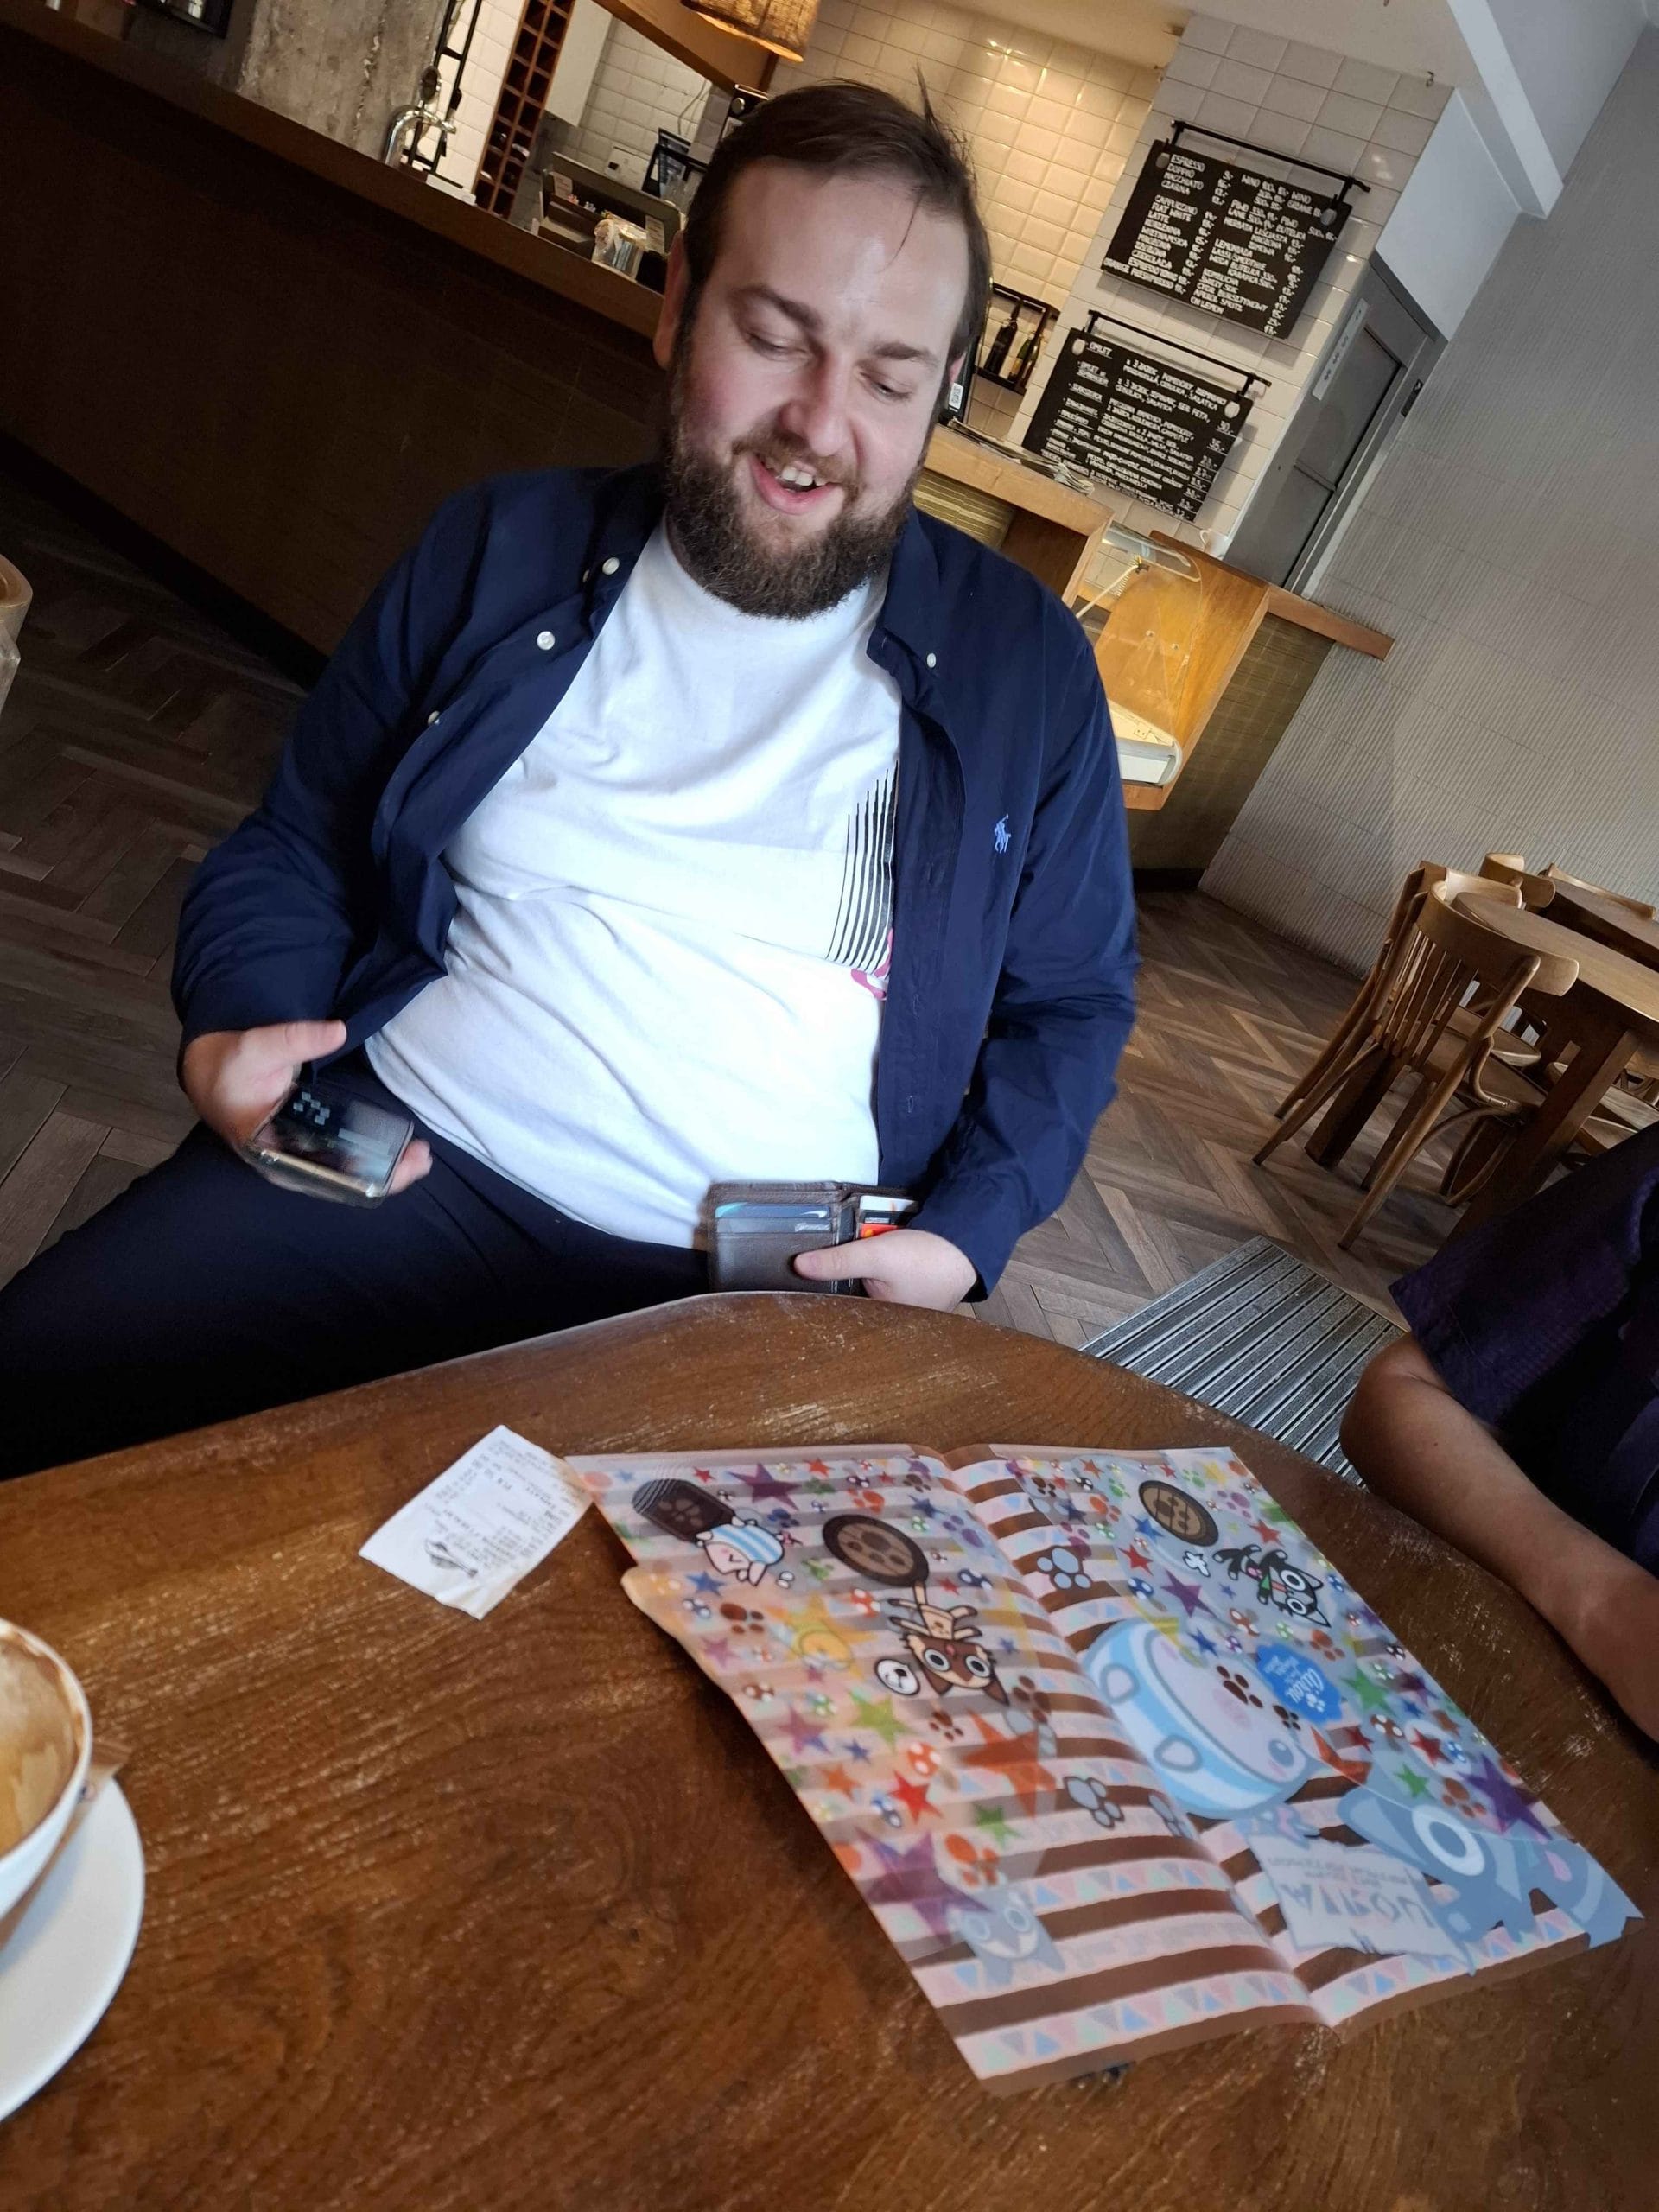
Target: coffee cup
46, 1746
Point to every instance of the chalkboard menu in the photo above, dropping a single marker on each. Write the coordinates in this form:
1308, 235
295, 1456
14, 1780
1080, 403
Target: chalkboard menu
1141, 423
1208, 232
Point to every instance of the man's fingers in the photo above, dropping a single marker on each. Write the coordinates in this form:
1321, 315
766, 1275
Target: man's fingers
416, 1163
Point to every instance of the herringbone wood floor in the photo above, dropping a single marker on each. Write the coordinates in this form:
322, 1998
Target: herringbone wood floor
138, 734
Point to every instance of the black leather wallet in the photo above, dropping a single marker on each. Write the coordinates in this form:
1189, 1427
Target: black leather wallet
756, 1229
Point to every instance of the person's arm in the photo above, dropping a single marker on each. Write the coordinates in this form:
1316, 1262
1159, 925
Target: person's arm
1062, 1008
276, 913
1412, 1442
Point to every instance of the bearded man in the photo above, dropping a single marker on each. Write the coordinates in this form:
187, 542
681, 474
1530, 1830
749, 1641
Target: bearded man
722, 819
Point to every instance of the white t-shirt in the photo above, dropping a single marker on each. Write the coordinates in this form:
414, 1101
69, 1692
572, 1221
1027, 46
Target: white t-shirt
668, 958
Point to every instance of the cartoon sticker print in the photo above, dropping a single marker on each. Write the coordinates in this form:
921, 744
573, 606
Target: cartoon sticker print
1488, 1879
876, 1549
740, 1548
1177, 1513
1002, 1931
1277, 1581
1215, 1751
1299, 1680
945, 1646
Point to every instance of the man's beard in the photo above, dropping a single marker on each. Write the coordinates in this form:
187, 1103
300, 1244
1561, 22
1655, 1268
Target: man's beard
717, 548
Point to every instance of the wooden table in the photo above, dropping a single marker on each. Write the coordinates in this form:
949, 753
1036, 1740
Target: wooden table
1613, 1013
463, 1917
1592, 914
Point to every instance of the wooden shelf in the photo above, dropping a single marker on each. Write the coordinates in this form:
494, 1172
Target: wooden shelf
521, 103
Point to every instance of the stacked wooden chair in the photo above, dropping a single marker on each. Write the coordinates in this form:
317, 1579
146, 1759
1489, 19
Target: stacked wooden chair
1435, 1009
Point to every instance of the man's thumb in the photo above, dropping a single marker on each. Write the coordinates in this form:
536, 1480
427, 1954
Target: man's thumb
306, 1040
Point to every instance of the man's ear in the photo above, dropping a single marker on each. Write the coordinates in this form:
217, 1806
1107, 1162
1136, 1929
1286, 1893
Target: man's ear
673, 307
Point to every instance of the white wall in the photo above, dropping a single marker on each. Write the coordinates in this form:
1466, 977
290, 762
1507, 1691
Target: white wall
638, 90
487, 65
1453, 218
1510, 546
580, 54
1297, 100
1568, 55
1048, 126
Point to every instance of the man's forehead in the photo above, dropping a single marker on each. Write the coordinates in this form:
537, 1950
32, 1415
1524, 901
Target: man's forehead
846, 247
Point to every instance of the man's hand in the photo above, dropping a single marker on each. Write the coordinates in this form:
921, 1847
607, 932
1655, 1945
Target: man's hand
236, 1078
905, 1267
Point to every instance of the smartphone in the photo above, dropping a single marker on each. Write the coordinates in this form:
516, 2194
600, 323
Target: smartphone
326, 1140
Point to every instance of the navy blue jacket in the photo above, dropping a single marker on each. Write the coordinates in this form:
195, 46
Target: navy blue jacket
1009, 995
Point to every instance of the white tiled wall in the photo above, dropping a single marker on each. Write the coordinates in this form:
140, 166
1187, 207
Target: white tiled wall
487, 65
1048, 126
638, 90
1294, 99
1510, 544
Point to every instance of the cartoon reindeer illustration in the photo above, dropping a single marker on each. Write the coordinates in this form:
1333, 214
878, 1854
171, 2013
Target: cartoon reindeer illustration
943, 1641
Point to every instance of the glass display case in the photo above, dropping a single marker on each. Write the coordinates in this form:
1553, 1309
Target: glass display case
1142, 611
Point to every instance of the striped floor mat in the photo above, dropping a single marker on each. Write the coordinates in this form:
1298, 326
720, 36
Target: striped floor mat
1261, 1337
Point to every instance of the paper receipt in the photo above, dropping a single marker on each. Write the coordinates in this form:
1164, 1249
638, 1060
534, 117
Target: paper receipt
482, 1525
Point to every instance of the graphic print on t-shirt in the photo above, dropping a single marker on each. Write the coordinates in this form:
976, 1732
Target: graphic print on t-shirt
863, 927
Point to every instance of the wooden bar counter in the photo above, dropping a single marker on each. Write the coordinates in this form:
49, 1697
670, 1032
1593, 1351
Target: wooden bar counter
1254, 650
278, 355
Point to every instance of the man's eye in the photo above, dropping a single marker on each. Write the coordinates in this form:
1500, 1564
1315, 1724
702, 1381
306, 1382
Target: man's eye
769, 345
888, 391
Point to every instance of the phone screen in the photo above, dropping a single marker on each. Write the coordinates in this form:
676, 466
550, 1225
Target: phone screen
332, 1129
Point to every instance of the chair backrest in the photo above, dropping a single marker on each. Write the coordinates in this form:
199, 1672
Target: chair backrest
1536, 891
1448, 964
1413, 891
1457, 884
1556, 972
1637, 905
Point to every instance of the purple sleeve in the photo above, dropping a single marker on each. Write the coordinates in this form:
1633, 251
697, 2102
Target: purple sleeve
1501, 1307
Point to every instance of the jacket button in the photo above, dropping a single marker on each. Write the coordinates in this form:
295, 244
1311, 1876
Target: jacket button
932, 660
546, 641
609, 567
430, 720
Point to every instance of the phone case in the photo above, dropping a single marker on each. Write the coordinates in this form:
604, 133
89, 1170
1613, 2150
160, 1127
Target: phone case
756, 1229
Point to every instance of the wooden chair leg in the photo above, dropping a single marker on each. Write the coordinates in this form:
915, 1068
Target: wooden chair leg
1409, 1135
1319, 1092
1477, 1158
1391, 1142
1366, 1089
1336, 1046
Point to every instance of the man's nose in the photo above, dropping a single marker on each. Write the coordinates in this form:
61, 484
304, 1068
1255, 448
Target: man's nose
816, 409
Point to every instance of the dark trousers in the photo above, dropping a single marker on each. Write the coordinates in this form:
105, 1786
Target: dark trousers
204, 1292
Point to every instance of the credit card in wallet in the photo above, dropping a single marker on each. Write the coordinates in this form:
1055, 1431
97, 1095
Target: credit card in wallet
756, 1229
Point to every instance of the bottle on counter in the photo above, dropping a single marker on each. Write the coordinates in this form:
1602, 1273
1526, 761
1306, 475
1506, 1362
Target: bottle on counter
997, 353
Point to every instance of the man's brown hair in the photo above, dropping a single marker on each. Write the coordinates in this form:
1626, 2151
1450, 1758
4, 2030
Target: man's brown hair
845, 130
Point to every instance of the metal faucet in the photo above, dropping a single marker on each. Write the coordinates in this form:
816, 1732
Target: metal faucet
404, 132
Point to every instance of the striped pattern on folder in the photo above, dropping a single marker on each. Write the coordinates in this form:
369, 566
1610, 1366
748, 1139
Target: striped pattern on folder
1112, 1753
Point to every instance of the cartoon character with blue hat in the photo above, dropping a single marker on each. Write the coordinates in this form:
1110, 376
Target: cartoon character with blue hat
742, 1550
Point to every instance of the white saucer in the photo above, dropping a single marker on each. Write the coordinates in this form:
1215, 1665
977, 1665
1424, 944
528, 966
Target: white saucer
66, 1958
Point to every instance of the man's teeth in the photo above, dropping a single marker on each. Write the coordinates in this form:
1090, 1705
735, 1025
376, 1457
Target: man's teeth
796, 477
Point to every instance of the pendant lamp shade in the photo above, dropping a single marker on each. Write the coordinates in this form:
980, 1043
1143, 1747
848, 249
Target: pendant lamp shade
783, 27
